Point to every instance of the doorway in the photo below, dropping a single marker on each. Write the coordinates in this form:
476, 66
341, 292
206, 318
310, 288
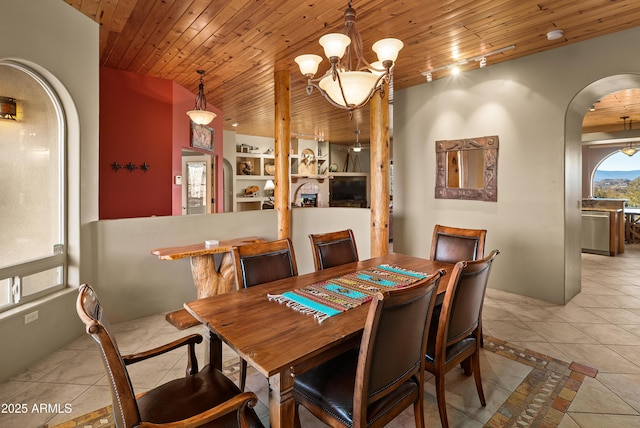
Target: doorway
573, 162
199, 184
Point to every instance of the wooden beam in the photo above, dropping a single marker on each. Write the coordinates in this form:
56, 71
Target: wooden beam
379, 148
282, 200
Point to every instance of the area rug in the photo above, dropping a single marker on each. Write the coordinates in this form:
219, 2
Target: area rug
540, 401
543, 397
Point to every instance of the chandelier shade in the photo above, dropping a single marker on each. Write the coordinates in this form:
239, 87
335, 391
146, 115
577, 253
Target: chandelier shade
200, 115
352, 80
387, 49
334, 44
357, 87
308, 63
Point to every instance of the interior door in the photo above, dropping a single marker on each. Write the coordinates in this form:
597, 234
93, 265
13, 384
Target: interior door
198, 187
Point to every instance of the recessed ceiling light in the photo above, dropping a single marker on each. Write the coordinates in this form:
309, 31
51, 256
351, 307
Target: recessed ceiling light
555, 34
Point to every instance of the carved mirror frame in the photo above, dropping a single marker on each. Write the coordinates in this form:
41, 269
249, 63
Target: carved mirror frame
487, 193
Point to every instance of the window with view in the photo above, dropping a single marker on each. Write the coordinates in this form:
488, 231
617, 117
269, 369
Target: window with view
32, 148
618, 176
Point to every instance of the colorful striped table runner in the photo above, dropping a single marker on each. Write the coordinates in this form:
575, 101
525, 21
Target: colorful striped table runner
334, 296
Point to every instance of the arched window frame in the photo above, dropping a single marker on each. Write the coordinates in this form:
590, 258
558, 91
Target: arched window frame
12, 276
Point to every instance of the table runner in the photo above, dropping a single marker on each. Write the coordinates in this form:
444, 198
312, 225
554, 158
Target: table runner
331, 297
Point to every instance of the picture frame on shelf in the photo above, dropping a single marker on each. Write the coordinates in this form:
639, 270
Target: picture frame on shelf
201, 137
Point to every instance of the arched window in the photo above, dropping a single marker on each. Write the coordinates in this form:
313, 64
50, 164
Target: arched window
32, 188
618, 176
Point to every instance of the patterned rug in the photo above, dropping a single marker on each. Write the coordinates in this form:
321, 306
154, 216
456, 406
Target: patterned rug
540, 401
328, 298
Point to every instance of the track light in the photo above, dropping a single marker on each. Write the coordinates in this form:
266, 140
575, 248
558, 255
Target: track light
455, 67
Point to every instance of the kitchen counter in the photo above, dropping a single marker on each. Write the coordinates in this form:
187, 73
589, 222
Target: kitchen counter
615, 208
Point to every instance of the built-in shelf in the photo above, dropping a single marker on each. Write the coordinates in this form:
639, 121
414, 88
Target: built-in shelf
261, 162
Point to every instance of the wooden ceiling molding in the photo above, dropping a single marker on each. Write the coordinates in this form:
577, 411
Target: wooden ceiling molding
241, 43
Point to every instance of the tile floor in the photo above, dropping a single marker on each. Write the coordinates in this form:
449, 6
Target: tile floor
599, 328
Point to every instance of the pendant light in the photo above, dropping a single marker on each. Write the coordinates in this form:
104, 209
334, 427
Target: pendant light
630, 150
200, 115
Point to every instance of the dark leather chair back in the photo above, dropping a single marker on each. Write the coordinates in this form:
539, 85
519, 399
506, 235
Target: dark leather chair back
399, 319
468, 296
264, 262
452, 244
370, 386
333, 249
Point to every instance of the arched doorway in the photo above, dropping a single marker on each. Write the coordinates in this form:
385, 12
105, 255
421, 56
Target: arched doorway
573, 162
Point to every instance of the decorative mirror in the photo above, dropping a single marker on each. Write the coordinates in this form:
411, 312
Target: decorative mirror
467, 169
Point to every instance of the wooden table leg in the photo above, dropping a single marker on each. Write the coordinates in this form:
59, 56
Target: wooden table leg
281, 401
212, 349
210, 281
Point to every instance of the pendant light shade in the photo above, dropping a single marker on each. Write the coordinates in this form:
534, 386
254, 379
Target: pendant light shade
200, 115
630, 150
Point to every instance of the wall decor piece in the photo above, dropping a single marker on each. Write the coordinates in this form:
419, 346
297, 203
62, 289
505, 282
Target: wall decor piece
116, 166
131, 166
467, 169
201, 137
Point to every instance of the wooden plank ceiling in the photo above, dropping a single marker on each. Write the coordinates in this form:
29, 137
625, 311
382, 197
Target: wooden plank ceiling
240, 43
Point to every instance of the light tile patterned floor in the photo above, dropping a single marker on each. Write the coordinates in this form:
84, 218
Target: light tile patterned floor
599, 328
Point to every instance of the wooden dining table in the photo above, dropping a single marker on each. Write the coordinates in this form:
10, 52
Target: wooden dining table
281, 343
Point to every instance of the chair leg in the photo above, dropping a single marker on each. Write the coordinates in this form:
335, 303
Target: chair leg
466, 366
475, 363
243, 374
442, 404
418, 412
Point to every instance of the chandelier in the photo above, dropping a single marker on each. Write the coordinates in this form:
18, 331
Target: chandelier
200, 115
351, 81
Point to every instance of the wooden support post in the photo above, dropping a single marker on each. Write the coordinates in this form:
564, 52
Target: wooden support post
282, 135
380, 154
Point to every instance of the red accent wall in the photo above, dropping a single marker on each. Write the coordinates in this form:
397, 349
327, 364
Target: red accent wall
143, 120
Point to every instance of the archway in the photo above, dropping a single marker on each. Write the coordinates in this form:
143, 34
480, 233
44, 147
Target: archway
576, 110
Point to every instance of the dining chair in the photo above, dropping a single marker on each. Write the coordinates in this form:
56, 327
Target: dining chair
333, 249
259, 263
453, 244
370, 386
202, 398
454, 338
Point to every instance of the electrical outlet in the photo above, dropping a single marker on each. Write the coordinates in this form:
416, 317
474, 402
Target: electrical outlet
31, 317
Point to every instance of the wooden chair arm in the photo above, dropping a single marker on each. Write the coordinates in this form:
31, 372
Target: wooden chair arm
236, 403
190, 340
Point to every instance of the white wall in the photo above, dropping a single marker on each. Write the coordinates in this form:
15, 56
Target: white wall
61, 45
525, 102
